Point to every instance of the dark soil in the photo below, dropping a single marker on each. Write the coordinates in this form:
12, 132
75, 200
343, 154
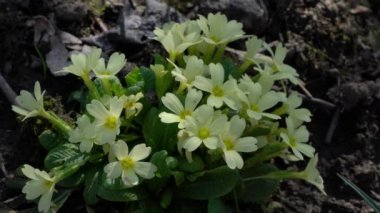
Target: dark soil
334, 44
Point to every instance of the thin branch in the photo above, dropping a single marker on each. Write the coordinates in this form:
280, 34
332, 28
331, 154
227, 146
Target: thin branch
7, 90
333, 125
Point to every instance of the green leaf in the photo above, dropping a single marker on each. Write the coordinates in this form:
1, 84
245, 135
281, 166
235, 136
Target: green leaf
195, 165
257, 190
49, 139
122, 195
112, 184
216, 206
166, 198
230, 68
213, 184
159, 136
149, 206
179, 177
163, 173
64, 154
59, 199
134, 77
149, 79
91, 184
72, 181
266, 153
159, 59
370, 202
159, 159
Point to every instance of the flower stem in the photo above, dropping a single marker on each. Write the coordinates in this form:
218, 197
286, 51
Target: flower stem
90, 85
245, 66
106, 86
209, 53
181, 88
219, 53
56, 121
279, 175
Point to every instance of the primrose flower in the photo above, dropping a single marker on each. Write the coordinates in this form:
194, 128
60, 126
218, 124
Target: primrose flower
279, 70
82, 64
255, 100
312, 174
219, 92
128, 164
107, 119
171, 101
176, 38
296, 138
291, 108
131, 105
41, 184
87, 134
115, 63
232, 143
194, 67
217, 30
29, 105
253, 46
205, 128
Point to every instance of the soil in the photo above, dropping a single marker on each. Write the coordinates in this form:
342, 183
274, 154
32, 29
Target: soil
334, 45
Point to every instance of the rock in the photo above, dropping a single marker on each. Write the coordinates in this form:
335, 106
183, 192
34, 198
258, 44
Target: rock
71, 11
136, 29
252, 13
352, 94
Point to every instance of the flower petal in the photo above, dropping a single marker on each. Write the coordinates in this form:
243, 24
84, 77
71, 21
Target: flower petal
129, 177
139, 152
45, 201
192, 99
192, 143
237, 126
120, 149
211, 142
145, 169
233, 159
172, 103
113, 170
246, 144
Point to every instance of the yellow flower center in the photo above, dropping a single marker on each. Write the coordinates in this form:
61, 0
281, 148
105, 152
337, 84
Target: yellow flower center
129, 104
217, 91
215, 38
203, 133
292, 142
48, 184
184, 113
127, 163
104, 72
110, 122
255, 108
229, 144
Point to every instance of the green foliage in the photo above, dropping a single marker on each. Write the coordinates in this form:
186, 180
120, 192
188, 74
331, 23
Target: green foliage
370, 202
65, 154
183, 135
213, 184
158, 135
256, 191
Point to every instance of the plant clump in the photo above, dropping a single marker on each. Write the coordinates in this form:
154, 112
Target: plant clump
210, 134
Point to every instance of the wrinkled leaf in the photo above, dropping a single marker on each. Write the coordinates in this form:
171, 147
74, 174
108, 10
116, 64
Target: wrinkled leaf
49, 139
158, 135
257, 190
64, 154
213, 184
91, 184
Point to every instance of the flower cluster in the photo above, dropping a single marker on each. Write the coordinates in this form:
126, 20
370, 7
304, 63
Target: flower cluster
182, 122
